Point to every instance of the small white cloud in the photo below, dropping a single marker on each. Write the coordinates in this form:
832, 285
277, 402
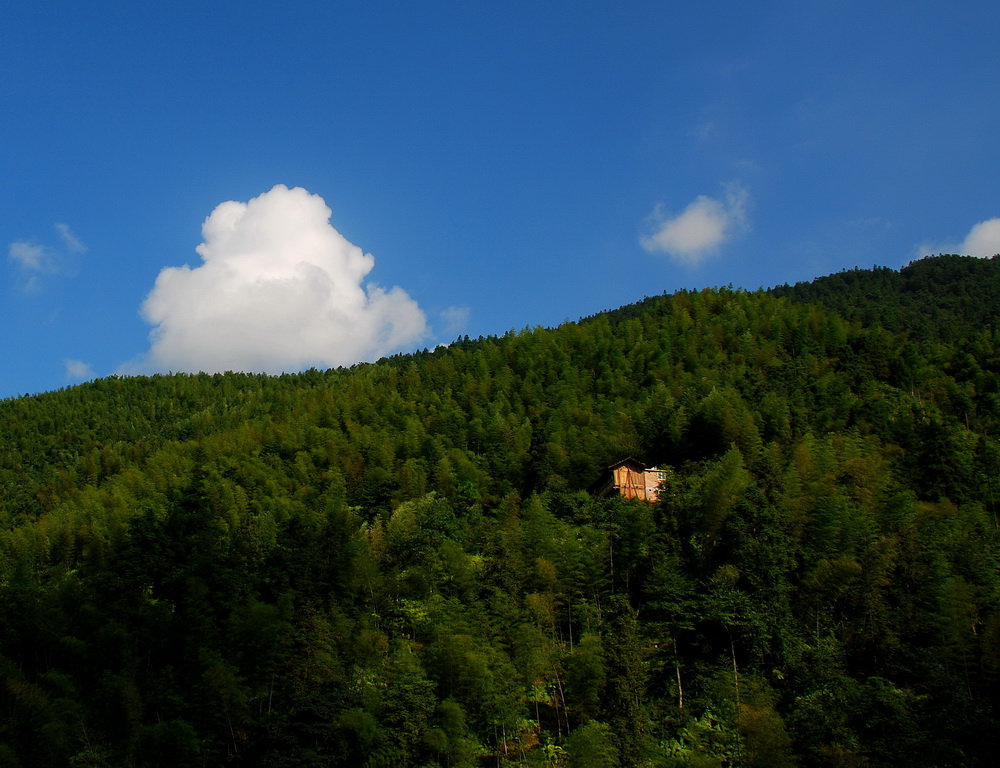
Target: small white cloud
704, 131
982, 241
34, 258
700, 229
455, 319
71, 242
278, 289
77, 370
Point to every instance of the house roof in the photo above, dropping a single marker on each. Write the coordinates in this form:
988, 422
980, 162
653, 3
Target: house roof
629, 460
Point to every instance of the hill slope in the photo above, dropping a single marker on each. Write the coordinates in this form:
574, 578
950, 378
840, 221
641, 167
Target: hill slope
400, 562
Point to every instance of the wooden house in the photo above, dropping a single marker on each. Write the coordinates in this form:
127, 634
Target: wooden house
631, 479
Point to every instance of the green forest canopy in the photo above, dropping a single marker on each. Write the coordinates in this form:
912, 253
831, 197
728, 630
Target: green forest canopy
399, 563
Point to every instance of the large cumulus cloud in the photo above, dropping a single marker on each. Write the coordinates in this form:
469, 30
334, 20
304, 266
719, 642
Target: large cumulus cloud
278, 289
983, 241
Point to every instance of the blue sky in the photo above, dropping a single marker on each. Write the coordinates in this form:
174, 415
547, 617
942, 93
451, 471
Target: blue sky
486, 167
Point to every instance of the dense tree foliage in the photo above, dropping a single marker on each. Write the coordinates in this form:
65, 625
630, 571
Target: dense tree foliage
400, 564
946, 298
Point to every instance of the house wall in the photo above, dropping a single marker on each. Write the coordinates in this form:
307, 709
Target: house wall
632, 483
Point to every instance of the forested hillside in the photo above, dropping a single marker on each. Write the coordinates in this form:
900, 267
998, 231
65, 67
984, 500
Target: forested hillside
399, 564
947, 298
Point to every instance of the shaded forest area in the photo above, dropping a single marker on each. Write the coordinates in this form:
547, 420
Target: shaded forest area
399, 563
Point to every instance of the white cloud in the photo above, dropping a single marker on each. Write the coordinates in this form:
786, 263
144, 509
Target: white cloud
70, 240
455, 319
35, 260
704, 131
279, 289
77, 370
700, 229
983, 241
29, 256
